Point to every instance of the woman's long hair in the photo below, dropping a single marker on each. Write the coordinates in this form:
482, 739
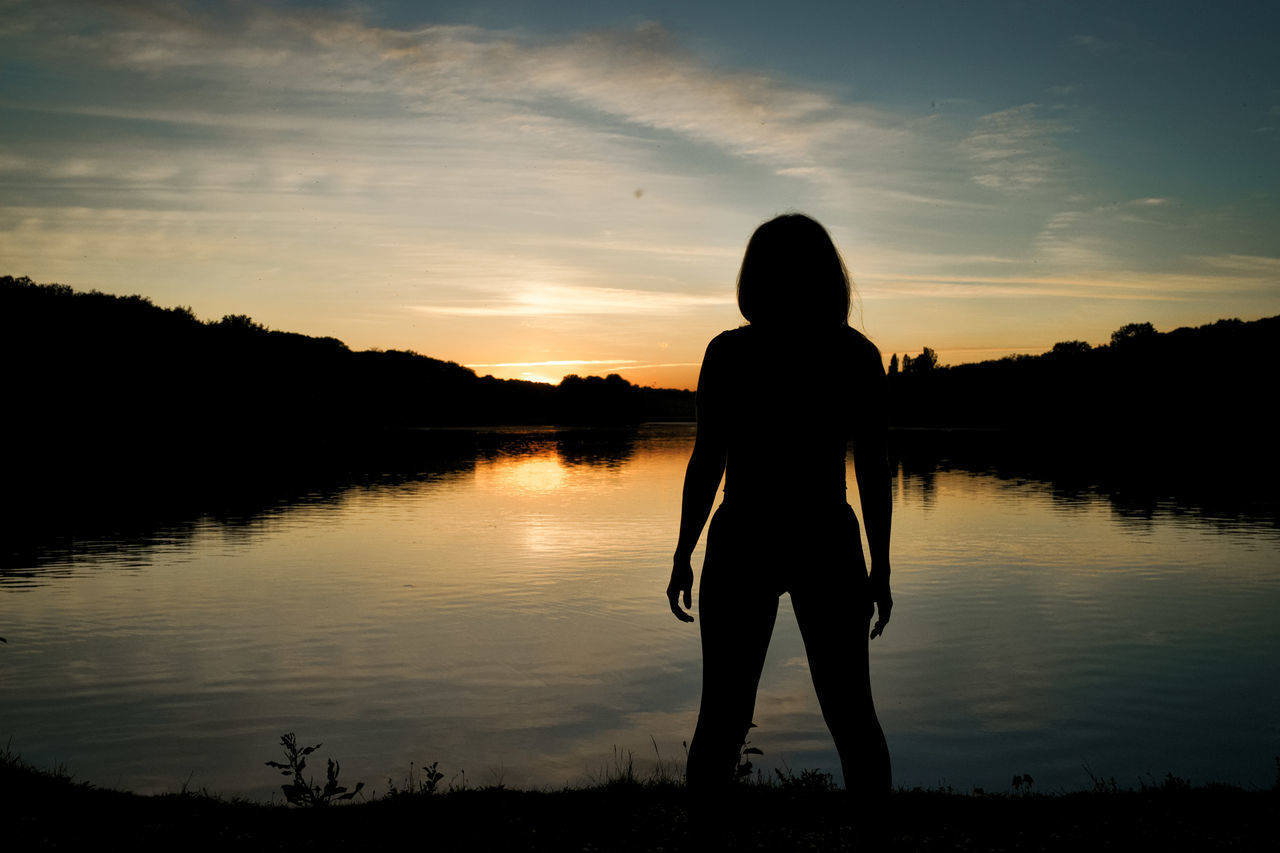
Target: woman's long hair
792, 276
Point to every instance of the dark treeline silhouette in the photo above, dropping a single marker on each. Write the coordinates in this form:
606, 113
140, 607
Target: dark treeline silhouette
93, 370
1214, 380
1160, 409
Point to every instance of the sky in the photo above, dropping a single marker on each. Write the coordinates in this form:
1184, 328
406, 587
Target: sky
536, 189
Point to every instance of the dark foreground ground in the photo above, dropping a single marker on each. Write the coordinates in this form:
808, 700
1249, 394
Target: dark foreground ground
43, 811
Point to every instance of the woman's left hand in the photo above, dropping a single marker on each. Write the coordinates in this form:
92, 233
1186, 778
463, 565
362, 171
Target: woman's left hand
681, 581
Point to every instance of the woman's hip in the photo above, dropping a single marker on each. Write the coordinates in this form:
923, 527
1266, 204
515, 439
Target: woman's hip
778, 548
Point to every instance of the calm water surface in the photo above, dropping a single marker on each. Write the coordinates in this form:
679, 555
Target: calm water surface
506, 618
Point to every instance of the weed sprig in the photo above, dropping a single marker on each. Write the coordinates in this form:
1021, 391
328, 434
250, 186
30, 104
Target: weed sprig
305, 792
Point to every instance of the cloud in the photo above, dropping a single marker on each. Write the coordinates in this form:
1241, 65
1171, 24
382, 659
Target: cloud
1092, 43
627, 364
1130, 284
515, 133
572, 362
1013, 149
1246, 265
1150, 231
248, 64
540, 300
527, 139
1064, 243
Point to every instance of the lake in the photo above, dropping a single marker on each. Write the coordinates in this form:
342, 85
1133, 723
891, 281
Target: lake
504, 615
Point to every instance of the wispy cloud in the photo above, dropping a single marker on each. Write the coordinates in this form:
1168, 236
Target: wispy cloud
272, 58
622, 363
1246, 265
1013, 149
540, 300
571, 362
523, 135
1232, 275
1092, 43
1064, 243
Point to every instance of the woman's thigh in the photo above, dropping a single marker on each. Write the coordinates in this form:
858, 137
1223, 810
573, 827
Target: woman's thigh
833, 623
831, 601
736, 612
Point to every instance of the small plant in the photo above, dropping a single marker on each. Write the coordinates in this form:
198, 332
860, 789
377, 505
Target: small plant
624, 772
1022, 784
1169, 784
1100, 785
809, 781
430, 778
305, 792
744, 762
666, 772
624, 768
425, 781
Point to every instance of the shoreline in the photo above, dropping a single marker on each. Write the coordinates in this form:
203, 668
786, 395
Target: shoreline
50, 810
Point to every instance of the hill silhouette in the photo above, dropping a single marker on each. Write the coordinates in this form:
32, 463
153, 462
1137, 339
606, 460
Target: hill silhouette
90, 369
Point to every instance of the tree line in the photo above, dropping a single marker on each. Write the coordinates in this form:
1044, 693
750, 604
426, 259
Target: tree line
93, 369
1194, 392
89, 368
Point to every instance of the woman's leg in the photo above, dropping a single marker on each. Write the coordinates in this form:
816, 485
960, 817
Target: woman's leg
832, 610
836, 641
736, 621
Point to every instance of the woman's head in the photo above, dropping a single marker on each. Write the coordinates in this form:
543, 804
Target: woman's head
792, 275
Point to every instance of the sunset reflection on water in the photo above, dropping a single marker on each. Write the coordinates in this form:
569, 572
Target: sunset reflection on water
506, 618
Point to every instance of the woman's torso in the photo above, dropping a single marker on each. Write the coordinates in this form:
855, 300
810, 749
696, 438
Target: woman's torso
786, 406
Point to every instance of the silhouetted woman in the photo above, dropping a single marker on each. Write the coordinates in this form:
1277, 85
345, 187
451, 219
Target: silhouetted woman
779, 400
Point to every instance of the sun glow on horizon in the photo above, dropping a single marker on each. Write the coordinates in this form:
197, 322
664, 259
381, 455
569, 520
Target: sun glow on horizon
680, 375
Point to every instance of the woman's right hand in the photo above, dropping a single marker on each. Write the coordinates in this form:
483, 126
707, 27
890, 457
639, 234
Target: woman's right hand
883, 600
681, 581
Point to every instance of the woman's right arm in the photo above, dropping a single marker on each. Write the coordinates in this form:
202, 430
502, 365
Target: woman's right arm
701, 480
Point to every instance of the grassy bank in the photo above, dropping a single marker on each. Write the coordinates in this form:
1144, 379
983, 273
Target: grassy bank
47, 810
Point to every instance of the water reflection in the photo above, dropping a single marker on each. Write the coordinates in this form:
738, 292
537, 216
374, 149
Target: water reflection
499, 608
1248, 506
117, 522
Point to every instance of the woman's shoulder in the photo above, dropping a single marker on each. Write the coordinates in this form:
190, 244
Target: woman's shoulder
857, 357
860, 344
732, 336
728, 342
721, 353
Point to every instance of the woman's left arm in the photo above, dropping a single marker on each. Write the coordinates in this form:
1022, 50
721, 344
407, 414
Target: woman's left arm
871, 467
